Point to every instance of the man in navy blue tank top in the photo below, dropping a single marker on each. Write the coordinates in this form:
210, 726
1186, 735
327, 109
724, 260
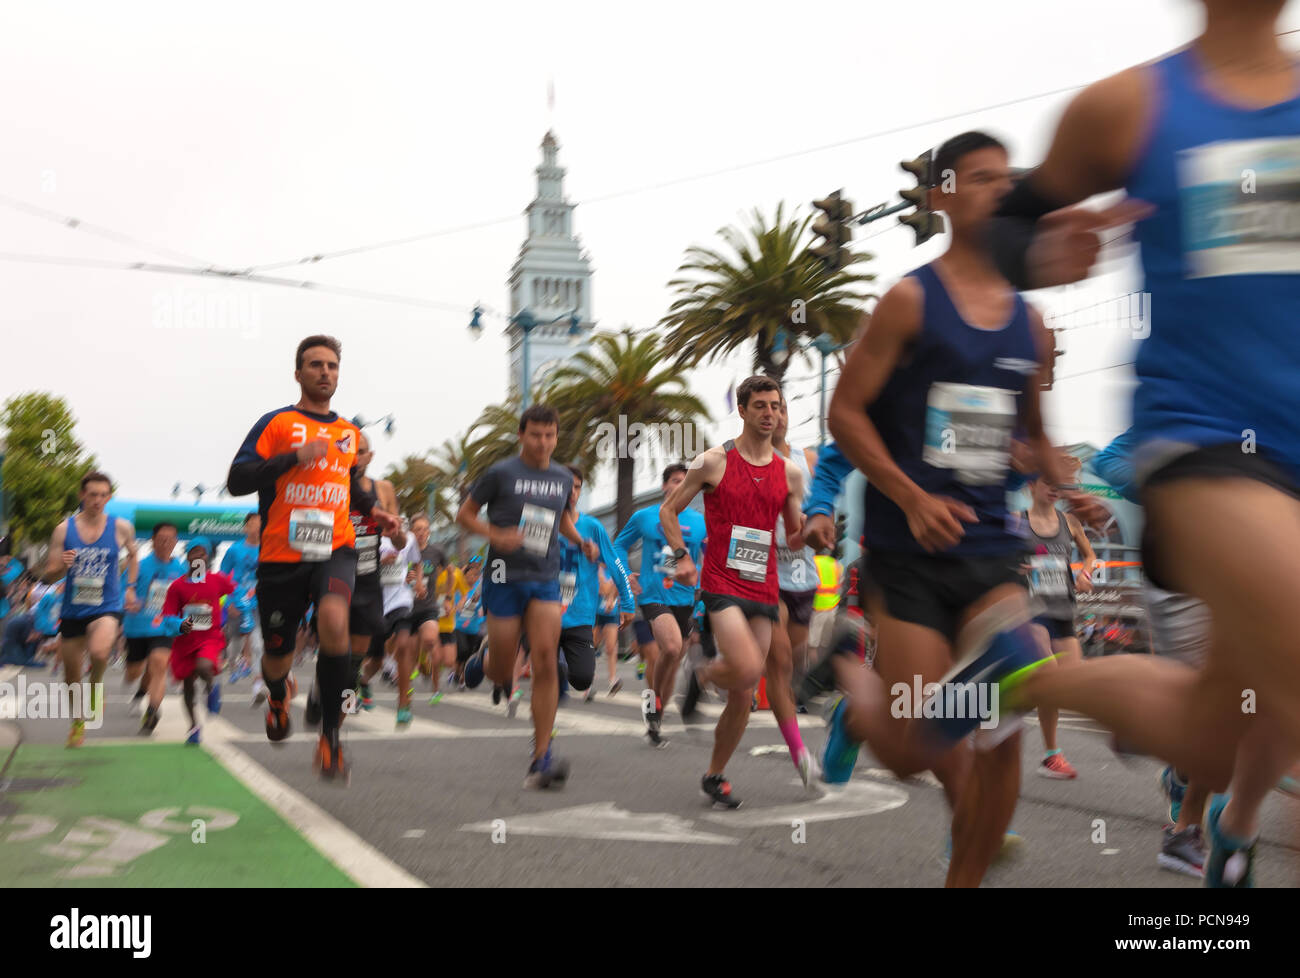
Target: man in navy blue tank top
1207, 143
947, 371
84, 550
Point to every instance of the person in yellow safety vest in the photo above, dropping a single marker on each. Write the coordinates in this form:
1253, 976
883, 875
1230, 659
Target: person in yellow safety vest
826, 599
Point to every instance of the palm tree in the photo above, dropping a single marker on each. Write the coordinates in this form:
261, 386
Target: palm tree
769, 284
622, 375
412, 478
451, 461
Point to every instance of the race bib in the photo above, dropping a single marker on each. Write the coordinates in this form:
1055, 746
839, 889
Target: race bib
88, 589
201, 614
968, 430
1047, 576
748, 552
311, 533
568, 587
1240, 203
157, 595
367, 554
537, 524
391, 575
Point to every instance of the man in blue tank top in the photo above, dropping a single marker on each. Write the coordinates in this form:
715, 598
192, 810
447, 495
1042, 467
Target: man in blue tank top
947, 371
1207, 142
83, 550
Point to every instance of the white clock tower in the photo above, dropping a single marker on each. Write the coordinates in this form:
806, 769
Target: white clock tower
551, 277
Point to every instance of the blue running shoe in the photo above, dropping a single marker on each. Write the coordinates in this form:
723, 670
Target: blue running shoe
242, 671
547, 772
998, 647
214, 699
1173, 791
840, 753
1231, 865
193, 738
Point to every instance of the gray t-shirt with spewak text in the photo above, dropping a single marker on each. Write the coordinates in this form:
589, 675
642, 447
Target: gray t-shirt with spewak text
516, 494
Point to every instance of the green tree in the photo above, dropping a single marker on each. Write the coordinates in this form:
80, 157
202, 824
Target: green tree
43, 464
763, 283
412, 479
623, 375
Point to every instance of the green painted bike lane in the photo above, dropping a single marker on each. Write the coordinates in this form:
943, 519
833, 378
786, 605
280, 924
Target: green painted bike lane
148, 815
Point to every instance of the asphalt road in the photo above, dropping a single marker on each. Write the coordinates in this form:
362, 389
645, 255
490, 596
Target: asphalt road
443, 802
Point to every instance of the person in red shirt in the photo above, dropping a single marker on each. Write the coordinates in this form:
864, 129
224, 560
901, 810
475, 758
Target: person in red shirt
193, 608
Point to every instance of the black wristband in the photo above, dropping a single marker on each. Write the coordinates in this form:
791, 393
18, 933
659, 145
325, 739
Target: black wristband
1012, 230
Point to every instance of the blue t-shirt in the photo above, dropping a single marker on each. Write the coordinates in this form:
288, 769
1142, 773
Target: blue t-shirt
644, 527
470, 617
151, 591
580, 578
240, 564
46, 612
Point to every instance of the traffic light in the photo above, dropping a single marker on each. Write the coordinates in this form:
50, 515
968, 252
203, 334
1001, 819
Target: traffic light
833, 227
923, 221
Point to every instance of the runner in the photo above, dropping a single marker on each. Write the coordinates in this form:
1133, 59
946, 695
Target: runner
798, 578
449, 591
666, 604
425, 613
580, 592
240, 564
148, 644
606, 633
951, 363
1053, 536
746, 486
298, 460
192, 611
527, 498
83, 550
469, 620
366, 609
1207, 136
400, 567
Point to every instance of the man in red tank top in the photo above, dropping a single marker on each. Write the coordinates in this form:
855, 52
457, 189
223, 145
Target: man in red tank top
746, 486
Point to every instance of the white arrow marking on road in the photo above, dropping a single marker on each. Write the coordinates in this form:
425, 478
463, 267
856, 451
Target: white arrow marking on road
605, 820
852, 800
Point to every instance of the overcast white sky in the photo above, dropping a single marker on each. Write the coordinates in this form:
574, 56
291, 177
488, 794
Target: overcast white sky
248, 133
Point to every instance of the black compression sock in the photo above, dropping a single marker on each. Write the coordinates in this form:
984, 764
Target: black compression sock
331, 680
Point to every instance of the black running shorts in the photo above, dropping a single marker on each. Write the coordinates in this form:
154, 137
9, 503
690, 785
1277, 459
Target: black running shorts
284, 590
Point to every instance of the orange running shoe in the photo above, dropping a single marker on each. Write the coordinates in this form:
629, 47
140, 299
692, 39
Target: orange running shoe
1057, 767
327, 760
277, 712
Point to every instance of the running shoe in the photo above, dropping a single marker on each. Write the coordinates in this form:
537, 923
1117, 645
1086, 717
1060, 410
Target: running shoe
806, 767
496, 695
547, 772
193, 738
1011, 843
149, 722
640, 670
590, 694
328, 762
1057, 767
513, 706
403, 715
1183, 852
214, 699
840, 753
1227, 867
1173, 790
259, 697
415, 674
136, 706
77, 735
242, 671
277, 711
615, 686
436, 698
461, 687
718, 788
848, 637
367, 699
